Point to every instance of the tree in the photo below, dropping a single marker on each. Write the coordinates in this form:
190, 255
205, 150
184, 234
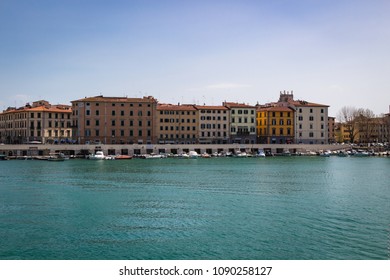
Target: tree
347, 117
367, 125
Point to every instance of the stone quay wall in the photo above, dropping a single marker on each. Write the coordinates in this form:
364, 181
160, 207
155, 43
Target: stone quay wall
139, 149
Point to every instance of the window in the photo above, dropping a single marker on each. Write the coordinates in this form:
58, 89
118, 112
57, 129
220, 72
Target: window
311, 118
281, 131
97, 123
87, 122
281, 122
97, 113
113, 122
311, 134
112, 132
122, 112
113, 113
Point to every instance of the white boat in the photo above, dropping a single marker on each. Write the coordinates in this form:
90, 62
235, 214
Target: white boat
240, 154
361, 153
193, 154
260, 154
206, 155
56, 157
98, 155
152, 156
325, 153
342, 154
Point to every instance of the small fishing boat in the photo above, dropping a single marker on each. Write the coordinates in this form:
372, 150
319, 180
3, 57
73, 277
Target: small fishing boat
56, 157
123, 157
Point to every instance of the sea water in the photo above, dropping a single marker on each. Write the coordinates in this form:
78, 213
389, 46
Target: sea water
221, 208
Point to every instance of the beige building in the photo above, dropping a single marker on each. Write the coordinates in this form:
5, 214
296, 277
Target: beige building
114, 120
177, 124
242, 123
331, 130
311, 119
214, 124
40, 122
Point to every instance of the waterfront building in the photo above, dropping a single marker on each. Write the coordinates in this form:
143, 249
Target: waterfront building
311, 119
346, 133
331, 130
40, 122
214, 124
275, 125
114, 120
373, 129
177, 124
242, 123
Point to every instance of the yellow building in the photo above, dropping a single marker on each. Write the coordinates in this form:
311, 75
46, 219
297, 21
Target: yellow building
275, 125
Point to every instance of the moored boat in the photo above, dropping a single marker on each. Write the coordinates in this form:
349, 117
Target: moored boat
97, 156
123, 157
193, 155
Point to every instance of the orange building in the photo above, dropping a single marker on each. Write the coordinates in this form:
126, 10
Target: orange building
114, 120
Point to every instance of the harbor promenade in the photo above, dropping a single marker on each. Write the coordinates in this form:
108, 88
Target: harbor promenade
139, 149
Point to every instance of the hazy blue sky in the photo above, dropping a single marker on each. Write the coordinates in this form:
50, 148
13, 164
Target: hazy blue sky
330, 52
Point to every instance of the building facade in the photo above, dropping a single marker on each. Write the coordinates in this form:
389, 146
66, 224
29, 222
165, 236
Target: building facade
275, 125
331, 130
40, 122
114, 120
311, 119
242, 123
214, 124
177, 124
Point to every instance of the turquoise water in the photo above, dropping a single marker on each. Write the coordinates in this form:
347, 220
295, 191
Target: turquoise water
221, 208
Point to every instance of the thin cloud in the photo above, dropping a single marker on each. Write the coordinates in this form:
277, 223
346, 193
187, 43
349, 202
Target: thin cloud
227, 86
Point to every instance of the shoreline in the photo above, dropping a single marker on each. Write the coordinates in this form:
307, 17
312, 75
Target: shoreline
76, 150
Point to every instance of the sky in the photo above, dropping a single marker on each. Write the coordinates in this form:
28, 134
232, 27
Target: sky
332, 52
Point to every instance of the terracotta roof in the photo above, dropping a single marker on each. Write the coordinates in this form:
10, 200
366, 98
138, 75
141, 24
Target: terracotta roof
302, 103
53, 109
204, 107
172, 107
50, 109
102, 98
275, 109
237, 105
